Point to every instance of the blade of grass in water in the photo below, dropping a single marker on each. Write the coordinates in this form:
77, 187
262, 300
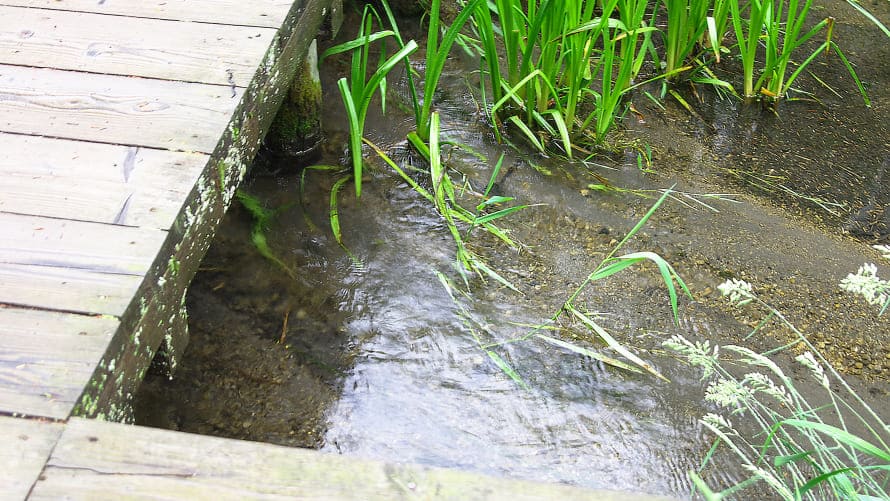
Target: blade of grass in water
506, 368
589, 353
614, 344
334, 212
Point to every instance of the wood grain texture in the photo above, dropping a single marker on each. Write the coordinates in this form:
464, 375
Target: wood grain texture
264, 13
115, 109
95, 182
65, 244
26, 447
46, 359
95, 459
168, 50
66, 289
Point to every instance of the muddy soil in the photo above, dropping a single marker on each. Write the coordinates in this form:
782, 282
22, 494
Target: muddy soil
362, 352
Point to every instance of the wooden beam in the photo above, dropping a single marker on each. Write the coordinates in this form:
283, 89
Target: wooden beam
96, 459
47, 358
66, 244
26, 447
66, 289
95, 182
264, 13
167, 50
160, 299
115, 109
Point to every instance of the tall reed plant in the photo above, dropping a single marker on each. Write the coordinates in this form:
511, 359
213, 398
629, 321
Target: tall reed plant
364, 80
444, 197
561, 58
779, 27
687, 23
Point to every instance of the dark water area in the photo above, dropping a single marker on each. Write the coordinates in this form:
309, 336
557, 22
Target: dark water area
365, 353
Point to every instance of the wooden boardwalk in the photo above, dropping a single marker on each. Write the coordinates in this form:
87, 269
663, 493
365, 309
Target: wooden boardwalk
125, 128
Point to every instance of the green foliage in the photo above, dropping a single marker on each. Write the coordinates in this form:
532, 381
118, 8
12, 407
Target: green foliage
261, 219
443, 196
358, 90
802, 451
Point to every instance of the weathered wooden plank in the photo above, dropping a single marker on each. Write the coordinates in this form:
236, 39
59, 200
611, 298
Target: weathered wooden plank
115, 109
95, 182
26, 446
95, 459
169, 50
46, 359
95, 247
162, 294
66, 289
263, 13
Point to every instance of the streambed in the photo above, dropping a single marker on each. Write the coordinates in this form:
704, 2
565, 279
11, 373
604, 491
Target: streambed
368, 355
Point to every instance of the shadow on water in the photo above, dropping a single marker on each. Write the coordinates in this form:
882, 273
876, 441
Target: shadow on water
371, 357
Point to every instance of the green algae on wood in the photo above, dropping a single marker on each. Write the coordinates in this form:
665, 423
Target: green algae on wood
296, 130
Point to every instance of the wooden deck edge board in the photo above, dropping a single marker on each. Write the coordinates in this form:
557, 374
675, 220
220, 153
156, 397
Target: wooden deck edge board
47, 358
270, 14
96, 458
95, 182
114, 109
27, 445
148, 48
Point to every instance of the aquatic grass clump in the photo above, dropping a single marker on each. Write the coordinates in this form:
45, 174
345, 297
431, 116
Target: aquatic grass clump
778, 29
560, 57
358, 90
444, 198
803, 451
548, 331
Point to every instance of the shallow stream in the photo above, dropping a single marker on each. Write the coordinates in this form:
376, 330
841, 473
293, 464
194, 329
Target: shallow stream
368, 355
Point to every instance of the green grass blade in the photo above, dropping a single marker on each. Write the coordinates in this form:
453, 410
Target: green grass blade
641, 222
354, 44
856, 5
563, 131
419, 145
382, 71
613, 268
614, 344
588, 353
839, 474
841, 436
497, 215
506, 369
411, 182
852, 74
480, 265
527, 133
356, 130
334, 212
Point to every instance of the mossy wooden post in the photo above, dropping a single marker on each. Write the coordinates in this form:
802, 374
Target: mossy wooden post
156, 313
296, 132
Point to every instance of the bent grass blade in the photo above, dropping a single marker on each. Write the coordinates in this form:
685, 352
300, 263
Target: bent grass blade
589, 353
614, 344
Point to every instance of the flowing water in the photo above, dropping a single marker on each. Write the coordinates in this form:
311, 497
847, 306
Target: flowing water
363, 351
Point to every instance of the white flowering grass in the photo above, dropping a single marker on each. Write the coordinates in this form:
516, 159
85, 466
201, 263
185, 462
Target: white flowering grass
803, 451
868, 284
